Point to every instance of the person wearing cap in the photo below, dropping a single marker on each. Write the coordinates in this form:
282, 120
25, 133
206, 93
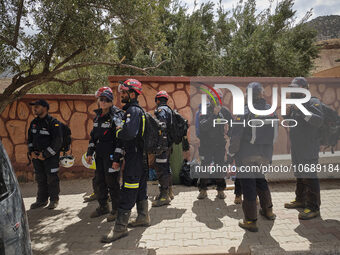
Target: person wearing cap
305, 146
253, 146
105, 146
163, 113
45, 140
212, 148
134, 186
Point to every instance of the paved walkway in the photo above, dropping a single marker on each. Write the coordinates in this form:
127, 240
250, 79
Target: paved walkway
187, 226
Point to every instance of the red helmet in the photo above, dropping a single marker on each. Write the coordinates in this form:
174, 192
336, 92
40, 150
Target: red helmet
130, 84
162, 94
101, 90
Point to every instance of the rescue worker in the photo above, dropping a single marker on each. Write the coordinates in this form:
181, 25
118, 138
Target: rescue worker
103, 143
305, 146
134, 187
93, 195
45, 140
253, 146
163, 113
212, 144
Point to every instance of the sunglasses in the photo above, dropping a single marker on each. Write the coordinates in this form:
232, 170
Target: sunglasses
104, 99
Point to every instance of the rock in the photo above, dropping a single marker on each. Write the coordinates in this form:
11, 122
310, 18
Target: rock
314, 91
338, 93
179, 86
16, 130
65, 110
195, 101
77, 125
79, 148
3, 130
268, 91
28, 123
180, 99
13, 110
8, 146
186, 113
92, 107
70, 104
155, 85
190, 89
54, 106
142, 101
4, 114
80, 106
149, 94
89, 127
23, 111
322, 88
21, 154
171, 102
168, 87
329, 96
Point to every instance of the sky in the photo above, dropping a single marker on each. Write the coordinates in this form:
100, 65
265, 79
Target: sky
320, 7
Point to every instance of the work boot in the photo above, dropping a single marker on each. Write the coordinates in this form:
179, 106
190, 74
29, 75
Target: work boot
53, 204
268, 213
90, 198
163, 199
38, 204
203, 194
101, 210
294, 204
308, 214
143, 218
112, 216
171, 193
248, 225
220, 194
120, 229
238, 199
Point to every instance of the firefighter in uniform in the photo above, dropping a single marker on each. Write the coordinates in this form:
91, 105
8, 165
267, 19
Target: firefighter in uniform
305, 146
93, 196
134, 187
104, 145
163, 113
45, 140
253, 146
212, 144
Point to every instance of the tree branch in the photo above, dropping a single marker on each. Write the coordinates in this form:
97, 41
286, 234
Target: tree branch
17, 24
74, 54
70, 82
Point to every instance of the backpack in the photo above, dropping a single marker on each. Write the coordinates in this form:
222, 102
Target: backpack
330, 129
154, 136
185, 175
178, 129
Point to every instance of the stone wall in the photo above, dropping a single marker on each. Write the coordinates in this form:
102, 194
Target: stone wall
77, 112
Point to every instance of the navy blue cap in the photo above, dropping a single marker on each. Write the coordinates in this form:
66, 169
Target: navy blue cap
41, 102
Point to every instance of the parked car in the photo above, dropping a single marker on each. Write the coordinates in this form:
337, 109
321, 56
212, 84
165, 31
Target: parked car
14, 234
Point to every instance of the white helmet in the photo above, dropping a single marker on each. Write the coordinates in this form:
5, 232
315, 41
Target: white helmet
67, 161
92, 166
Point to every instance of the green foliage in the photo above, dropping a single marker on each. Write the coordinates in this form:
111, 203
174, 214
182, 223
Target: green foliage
142, 33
